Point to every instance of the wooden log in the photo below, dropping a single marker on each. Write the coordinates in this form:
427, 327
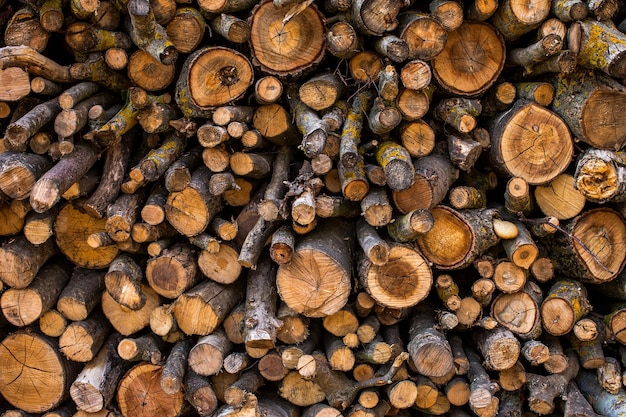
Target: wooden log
173, 272
230, 71
499, 348
22, 260
195, 195
325, 246
72, 229
543, 390
141, 349
589, 264
463, 78
22, 307
261, 321
434, 174
199, 393
127, 321
482, 400
96, 384
591, 91
520, 311
143, 379
175, 367
41, 386
408, 288
211, 300
550, 160
430, 352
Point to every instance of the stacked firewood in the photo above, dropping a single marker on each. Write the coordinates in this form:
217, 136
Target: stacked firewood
360, 208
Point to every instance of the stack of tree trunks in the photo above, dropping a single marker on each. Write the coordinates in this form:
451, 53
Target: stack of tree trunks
316, 208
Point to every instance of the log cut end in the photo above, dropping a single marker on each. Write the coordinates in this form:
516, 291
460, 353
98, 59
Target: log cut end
402, 282
472, 59
284, 43
140, 394
313, 284
33, 379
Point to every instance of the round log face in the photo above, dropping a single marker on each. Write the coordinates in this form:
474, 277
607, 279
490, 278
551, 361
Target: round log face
218, 76
313, 284
285, 48
512, 312
32, 378
536, 144
604, 127
471, 60
140, 394
72, 228
603, 232
449, 242
402, 282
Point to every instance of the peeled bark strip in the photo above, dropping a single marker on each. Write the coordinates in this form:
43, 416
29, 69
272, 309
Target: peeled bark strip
538, 154
289, 53
41, 380
466, 77
600, 260
209, 300
230, 74
140, 394
95, 386
591, 95
320, 266
455, 241
21, 261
